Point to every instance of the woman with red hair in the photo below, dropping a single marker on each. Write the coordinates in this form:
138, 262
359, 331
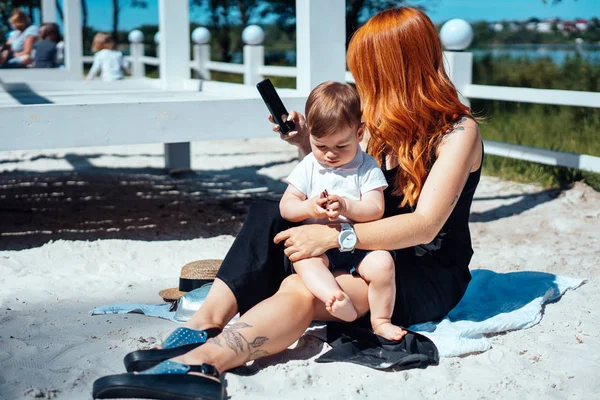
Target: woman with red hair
429, 147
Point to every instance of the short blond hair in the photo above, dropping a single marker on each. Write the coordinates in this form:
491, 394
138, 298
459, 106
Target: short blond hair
103, 40
19, 19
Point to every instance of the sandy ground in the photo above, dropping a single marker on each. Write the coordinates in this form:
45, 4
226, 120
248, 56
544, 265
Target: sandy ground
82, 228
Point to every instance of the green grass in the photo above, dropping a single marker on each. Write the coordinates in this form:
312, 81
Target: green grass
560, 128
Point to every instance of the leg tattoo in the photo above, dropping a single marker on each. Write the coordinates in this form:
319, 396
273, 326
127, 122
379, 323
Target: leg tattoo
234, 340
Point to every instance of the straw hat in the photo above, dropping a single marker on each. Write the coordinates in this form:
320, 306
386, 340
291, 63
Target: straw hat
192, 276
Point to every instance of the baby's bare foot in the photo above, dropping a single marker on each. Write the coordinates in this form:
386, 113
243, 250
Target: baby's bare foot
389, 331
340, 306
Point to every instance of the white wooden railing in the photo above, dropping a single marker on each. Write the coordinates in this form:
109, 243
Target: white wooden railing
459, 66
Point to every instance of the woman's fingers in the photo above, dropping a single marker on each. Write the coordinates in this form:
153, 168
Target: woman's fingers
283, 235
289, 251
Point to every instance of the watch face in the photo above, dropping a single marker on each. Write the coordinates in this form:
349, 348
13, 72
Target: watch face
348, 240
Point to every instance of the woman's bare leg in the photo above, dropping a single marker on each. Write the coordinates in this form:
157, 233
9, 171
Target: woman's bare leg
272, 325
217, 310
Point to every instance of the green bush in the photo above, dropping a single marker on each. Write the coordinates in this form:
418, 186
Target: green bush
560, 128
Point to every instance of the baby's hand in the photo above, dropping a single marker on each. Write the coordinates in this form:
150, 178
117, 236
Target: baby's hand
336, 206
317, 206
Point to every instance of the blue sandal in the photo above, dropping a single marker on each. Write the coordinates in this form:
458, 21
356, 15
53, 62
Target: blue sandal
166, 381
177, 343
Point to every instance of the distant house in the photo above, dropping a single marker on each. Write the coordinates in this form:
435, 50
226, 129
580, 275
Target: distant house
544, 27
498, 27
566, 26
514, 27
582, 25
531, 26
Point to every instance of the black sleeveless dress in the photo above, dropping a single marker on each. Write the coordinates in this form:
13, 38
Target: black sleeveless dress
432, 278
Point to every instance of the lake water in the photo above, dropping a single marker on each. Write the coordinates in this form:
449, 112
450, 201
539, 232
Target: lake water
555, 52
558, 53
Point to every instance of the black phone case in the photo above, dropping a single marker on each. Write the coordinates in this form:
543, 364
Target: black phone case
275, 105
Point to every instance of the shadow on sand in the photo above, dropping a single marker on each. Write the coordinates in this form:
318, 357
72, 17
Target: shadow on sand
126, 203
527, 202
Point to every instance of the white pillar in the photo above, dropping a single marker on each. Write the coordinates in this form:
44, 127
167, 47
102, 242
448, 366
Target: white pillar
72, 35
320, 42
457, 35
201, 50
174, 29
459, 67
174, 54
201, 57
48, 11
136, 49
253, 37
254, 58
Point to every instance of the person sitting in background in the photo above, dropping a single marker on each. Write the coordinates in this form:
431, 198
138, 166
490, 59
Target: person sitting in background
45, 48
108, 61
16, 53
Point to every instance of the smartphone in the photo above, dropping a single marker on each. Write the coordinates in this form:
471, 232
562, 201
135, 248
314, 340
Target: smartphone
275, 106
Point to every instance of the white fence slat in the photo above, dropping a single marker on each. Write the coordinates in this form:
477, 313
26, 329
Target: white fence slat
540, 96
274, 70
543, 156
150, 60
225, 67
63, 126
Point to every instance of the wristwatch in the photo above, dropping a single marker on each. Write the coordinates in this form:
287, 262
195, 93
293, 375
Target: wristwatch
346, 238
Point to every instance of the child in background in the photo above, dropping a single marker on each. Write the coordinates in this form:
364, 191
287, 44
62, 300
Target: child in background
107, 60
45, 48
339, 183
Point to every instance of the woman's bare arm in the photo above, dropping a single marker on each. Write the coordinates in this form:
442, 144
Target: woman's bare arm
27, 46
458, 155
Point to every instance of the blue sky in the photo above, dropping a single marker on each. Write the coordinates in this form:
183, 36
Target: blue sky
100, 16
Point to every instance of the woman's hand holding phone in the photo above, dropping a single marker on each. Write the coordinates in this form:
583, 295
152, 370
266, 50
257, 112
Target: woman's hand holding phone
297, 137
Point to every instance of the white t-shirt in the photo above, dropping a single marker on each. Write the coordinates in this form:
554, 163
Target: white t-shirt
351, 181
17, 38
110, 62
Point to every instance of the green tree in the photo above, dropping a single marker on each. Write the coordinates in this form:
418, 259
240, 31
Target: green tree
225, 16
117, 6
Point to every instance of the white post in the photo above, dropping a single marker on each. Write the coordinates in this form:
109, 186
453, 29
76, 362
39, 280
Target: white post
459, 67
456, 36
201, 38
136, 49
174, 29
320, 42
254, 54
72, 34
157, 42
48, 11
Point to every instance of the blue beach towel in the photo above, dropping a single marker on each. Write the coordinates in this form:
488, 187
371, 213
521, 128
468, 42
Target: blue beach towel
494, 302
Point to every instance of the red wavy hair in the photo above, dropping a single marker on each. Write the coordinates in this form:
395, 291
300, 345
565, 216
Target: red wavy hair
408, 101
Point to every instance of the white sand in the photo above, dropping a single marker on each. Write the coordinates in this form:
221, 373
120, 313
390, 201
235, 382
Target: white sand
120, 232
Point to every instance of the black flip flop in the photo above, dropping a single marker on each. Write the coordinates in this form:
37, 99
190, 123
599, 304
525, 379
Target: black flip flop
166, 381
179, 342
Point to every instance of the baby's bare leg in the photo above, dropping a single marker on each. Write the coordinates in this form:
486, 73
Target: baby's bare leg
379, 270
321, 283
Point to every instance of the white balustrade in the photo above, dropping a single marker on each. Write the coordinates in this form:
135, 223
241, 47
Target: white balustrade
254, 54
201, 50
317, 61
136, 49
